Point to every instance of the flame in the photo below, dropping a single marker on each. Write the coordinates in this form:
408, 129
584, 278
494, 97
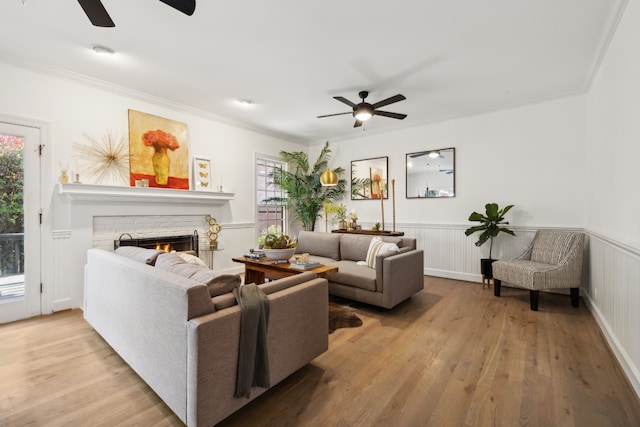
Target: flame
165, 247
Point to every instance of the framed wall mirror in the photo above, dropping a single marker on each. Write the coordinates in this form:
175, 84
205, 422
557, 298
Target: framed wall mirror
431, 173
369, 178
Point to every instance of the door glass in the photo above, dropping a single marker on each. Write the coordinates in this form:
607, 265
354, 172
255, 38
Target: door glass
11, 218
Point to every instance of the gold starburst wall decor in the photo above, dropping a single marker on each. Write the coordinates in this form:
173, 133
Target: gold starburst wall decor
106, 160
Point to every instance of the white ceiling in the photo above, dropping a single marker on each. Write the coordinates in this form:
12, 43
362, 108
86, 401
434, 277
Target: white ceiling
450, 58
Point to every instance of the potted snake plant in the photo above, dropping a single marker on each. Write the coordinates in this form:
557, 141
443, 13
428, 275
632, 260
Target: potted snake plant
491, 224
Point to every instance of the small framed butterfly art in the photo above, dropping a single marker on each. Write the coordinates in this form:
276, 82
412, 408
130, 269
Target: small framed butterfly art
202, 174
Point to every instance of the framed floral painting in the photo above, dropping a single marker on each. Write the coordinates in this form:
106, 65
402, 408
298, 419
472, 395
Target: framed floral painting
158, 151
202, 174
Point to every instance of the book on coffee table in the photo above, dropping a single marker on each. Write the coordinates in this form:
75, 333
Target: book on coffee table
306, 266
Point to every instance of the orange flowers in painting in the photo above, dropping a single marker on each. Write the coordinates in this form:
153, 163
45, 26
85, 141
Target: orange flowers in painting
160, 139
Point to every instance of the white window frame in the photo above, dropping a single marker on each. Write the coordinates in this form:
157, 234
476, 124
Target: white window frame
262, 188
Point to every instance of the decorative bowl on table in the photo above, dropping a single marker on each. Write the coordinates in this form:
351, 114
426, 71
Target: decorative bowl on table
279, 254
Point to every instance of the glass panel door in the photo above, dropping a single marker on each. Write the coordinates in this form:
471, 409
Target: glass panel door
19, 222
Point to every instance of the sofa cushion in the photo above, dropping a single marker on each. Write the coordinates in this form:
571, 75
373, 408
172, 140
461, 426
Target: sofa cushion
351, 274
354, 247
147, 256
321, 244
216, 283
379, 247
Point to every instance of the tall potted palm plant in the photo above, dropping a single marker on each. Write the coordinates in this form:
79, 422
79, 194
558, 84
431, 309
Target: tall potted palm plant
305, 194
491, 224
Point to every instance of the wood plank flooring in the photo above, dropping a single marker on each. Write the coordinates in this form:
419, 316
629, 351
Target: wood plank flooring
453, 355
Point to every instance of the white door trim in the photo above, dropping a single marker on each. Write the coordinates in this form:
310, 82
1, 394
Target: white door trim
46, 193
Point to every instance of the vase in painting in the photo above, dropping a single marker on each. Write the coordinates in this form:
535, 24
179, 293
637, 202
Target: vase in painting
161, 162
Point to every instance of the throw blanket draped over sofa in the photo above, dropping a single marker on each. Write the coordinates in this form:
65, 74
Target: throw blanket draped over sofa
185, 344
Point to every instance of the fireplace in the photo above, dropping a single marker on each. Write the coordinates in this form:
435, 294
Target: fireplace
188, 242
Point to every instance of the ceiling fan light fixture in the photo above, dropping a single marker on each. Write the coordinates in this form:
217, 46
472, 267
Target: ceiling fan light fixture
363, 112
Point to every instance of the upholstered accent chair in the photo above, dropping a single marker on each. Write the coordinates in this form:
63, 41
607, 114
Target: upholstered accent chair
553, 260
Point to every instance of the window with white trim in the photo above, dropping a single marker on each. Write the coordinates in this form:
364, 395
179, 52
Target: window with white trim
271, 217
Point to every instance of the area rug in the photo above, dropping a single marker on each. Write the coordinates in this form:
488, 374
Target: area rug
342, 317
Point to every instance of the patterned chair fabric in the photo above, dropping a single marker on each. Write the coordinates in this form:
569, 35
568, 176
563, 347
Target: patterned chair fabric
553, 260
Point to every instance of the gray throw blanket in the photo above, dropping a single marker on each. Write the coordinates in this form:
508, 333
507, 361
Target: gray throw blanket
253, 357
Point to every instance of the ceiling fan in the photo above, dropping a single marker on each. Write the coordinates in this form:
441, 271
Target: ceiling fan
364, 111
100, 18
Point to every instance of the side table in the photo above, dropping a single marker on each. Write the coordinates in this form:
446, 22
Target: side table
208, 255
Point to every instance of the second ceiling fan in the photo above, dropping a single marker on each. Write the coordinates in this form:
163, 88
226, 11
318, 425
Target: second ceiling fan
364, 111
99, 16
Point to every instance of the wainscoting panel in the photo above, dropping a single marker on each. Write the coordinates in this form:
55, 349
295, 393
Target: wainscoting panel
59, 290
613, 294
449, 253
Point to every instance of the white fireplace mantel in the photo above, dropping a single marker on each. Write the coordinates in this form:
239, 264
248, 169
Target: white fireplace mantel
105, 193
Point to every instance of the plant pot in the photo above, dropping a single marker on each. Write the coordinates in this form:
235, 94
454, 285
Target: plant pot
279, 254
486, 267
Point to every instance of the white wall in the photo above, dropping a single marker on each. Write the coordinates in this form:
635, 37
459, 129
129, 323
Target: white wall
613, 130
614, 137
70, 108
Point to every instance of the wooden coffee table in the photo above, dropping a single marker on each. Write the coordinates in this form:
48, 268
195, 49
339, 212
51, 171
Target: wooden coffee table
256, 270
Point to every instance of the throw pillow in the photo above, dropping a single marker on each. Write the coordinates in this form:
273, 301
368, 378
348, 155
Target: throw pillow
378, 247
147, 256
192, 259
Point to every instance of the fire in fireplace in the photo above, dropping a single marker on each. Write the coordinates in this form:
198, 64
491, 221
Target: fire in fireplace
188, 242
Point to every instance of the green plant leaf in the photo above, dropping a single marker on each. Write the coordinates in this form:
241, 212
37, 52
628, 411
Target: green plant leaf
475, 216
492, 224
305, 195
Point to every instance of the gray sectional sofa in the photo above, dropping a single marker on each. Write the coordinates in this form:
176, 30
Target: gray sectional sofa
396, 276
183, 343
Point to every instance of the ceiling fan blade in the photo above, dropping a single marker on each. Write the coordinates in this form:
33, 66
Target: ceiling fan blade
345, 101
337, 114
388, 114
358, 123
185, 6
420, 154
96, 13
388, 101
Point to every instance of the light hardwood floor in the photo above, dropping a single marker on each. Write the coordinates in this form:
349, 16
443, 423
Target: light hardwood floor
453, 355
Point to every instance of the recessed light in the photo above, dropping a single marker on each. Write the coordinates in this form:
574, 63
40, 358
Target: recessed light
102, 50
245, 102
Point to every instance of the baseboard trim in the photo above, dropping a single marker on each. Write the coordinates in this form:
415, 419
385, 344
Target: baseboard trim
467, 277
62, 304
633, 376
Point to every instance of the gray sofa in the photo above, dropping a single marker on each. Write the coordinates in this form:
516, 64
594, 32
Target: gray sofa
396, 276
184, 344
